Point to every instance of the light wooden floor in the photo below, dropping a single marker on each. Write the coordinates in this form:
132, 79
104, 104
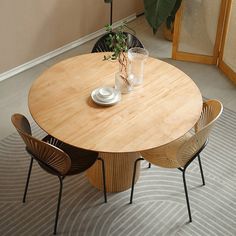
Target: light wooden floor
212, 83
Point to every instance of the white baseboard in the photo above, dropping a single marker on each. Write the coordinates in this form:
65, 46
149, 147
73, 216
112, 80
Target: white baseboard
67, 47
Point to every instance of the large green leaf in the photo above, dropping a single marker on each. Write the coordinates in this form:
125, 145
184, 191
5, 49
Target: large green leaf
157, 11
171, 18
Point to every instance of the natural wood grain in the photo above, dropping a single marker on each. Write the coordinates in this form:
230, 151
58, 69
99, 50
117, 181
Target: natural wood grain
119, 171
165, 107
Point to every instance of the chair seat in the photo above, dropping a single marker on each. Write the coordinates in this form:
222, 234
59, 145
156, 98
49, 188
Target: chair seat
182, 152
81, 159
166, 156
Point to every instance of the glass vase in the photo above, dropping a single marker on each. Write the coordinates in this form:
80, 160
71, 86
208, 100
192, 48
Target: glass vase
137, 57
122, 84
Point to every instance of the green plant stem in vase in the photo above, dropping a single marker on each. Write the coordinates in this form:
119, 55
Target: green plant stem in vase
123, 62
117, 42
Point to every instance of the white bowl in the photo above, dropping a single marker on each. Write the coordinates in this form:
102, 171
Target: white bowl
105, 94
115, 98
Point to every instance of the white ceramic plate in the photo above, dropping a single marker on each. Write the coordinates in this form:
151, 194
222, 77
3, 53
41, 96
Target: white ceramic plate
109, 102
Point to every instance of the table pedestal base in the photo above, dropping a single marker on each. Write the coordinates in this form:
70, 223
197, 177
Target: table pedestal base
119, 171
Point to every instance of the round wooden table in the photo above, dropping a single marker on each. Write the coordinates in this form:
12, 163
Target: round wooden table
162, 109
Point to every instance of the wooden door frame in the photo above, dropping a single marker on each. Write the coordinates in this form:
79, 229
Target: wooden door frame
221, 64
184, 56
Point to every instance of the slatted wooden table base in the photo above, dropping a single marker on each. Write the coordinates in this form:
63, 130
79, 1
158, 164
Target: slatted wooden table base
119, 171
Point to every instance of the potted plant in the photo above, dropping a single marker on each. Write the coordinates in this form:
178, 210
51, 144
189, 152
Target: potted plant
117, 42
157, 12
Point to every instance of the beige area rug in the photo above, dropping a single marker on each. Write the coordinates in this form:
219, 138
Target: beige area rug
159, 206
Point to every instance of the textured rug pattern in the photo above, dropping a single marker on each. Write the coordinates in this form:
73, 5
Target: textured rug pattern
159, 206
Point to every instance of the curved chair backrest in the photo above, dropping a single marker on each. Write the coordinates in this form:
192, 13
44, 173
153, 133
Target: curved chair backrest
101, 44
186, 147
211, 111
50, 158
21, 122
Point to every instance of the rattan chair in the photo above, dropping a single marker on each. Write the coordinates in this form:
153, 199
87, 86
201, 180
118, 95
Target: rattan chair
101, 44
181, 152
55, 157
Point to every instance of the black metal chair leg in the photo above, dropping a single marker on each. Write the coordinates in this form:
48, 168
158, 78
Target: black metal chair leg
149, 165
186, 195
28, 178
133, 179
103, 179
200, 165
58, 204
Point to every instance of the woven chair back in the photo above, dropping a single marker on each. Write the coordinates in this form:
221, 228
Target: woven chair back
21, 122
50, 158
179, 152
102, 46
211, 111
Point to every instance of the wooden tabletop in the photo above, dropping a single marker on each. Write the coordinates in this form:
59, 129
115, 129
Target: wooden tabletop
162, 109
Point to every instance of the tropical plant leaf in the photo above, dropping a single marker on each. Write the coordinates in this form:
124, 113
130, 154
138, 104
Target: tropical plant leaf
171, 18
157, 11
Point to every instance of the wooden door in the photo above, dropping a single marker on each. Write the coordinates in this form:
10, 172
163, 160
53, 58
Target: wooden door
198, 31
227, 58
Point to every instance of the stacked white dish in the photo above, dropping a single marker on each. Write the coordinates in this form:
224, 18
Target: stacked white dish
106, 96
